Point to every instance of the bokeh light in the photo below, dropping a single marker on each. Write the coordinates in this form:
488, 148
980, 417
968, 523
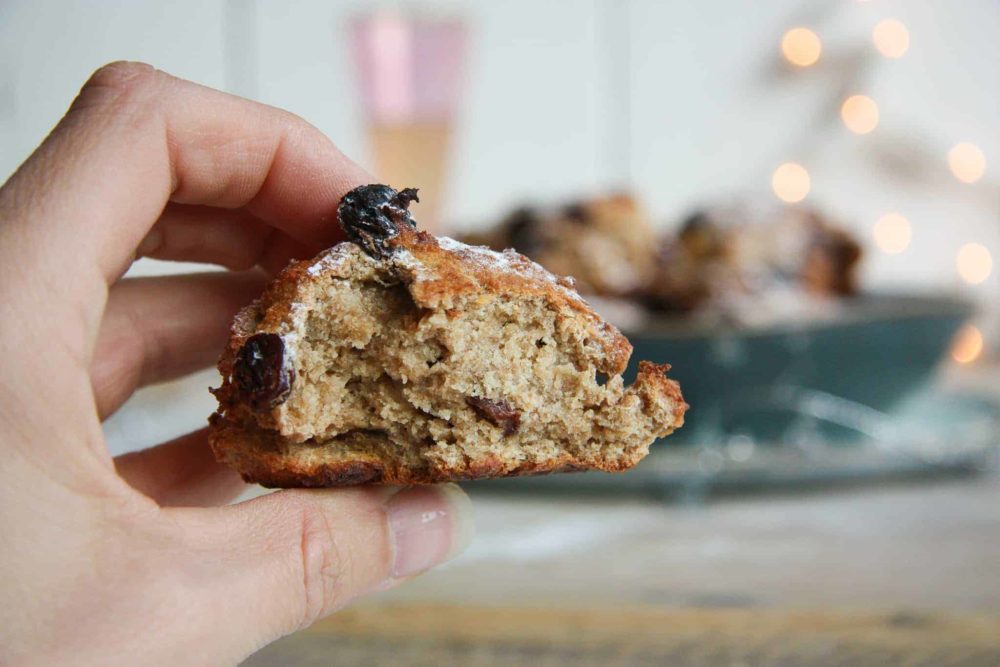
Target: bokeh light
892, 233
859, 113
967, 345
801, 46
967, 162
974, 263
790, 182
891, 38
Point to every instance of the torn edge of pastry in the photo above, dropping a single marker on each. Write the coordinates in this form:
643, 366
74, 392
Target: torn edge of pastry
400, 358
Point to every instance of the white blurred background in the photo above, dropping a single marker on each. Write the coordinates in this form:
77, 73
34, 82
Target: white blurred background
683, 103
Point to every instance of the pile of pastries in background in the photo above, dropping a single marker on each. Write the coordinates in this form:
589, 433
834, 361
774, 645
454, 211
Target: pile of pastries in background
739, 263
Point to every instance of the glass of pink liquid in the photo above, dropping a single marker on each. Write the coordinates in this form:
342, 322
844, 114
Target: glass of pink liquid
409, 68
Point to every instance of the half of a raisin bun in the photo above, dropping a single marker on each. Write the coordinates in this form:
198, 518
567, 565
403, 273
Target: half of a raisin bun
400, 358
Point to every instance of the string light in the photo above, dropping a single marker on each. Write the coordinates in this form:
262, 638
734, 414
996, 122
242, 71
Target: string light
967, 345
974, 263
790, 182
892, 233
859, 113
891, 38
801, 46
967, 162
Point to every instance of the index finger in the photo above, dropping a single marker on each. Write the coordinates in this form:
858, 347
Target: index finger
136, 138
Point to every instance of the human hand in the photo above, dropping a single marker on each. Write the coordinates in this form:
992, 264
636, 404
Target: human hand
138, 560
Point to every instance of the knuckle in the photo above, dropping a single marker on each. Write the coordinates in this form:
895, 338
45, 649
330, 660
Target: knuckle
117, 84
324, 564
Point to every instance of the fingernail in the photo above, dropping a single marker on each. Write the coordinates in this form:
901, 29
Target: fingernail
150, 244
430, 525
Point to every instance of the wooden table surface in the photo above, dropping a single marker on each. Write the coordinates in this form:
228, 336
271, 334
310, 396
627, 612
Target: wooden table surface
463, 635
896, 575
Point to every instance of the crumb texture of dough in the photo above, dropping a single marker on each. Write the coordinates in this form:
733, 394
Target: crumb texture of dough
439, 361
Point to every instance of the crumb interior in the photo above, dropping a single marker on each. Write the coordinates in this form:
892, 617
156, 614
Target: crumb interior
441, 388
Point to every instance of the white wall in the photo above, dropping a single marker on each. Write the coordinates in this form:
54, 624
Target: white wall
683, 100
48, 49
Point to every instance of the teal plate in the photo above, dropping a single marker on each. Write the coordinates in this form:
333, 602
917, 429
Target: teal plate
878, 351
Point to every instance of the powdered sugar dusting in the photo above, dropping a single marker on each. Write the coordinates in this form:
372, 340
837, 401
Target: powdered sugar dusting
404, 259
500, 261
330, 258
486, 259
290, 333
509, 260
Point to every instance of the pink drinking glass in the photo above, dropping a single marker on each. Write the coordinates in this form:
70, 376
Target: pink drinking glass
410, 68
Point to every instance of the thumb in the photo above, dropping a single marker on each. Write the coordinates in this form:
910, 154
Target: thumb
285, 560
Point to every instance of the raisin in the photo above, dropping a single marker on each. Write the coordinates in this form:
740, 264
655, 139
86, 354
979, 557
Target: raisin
370, 215
499, 413
259, 372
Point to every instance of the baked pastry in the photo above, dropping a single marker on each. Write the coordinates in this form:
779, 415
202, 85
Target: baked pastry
722, 256
691, 268
401, 358
831, 263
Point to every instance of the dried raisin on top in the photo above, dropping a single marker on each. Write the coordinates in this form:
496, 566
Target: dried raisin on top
371, 215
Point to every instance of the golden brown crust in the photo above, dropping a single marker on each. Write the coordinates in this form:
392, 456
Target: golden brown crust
652, 382
261, 457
